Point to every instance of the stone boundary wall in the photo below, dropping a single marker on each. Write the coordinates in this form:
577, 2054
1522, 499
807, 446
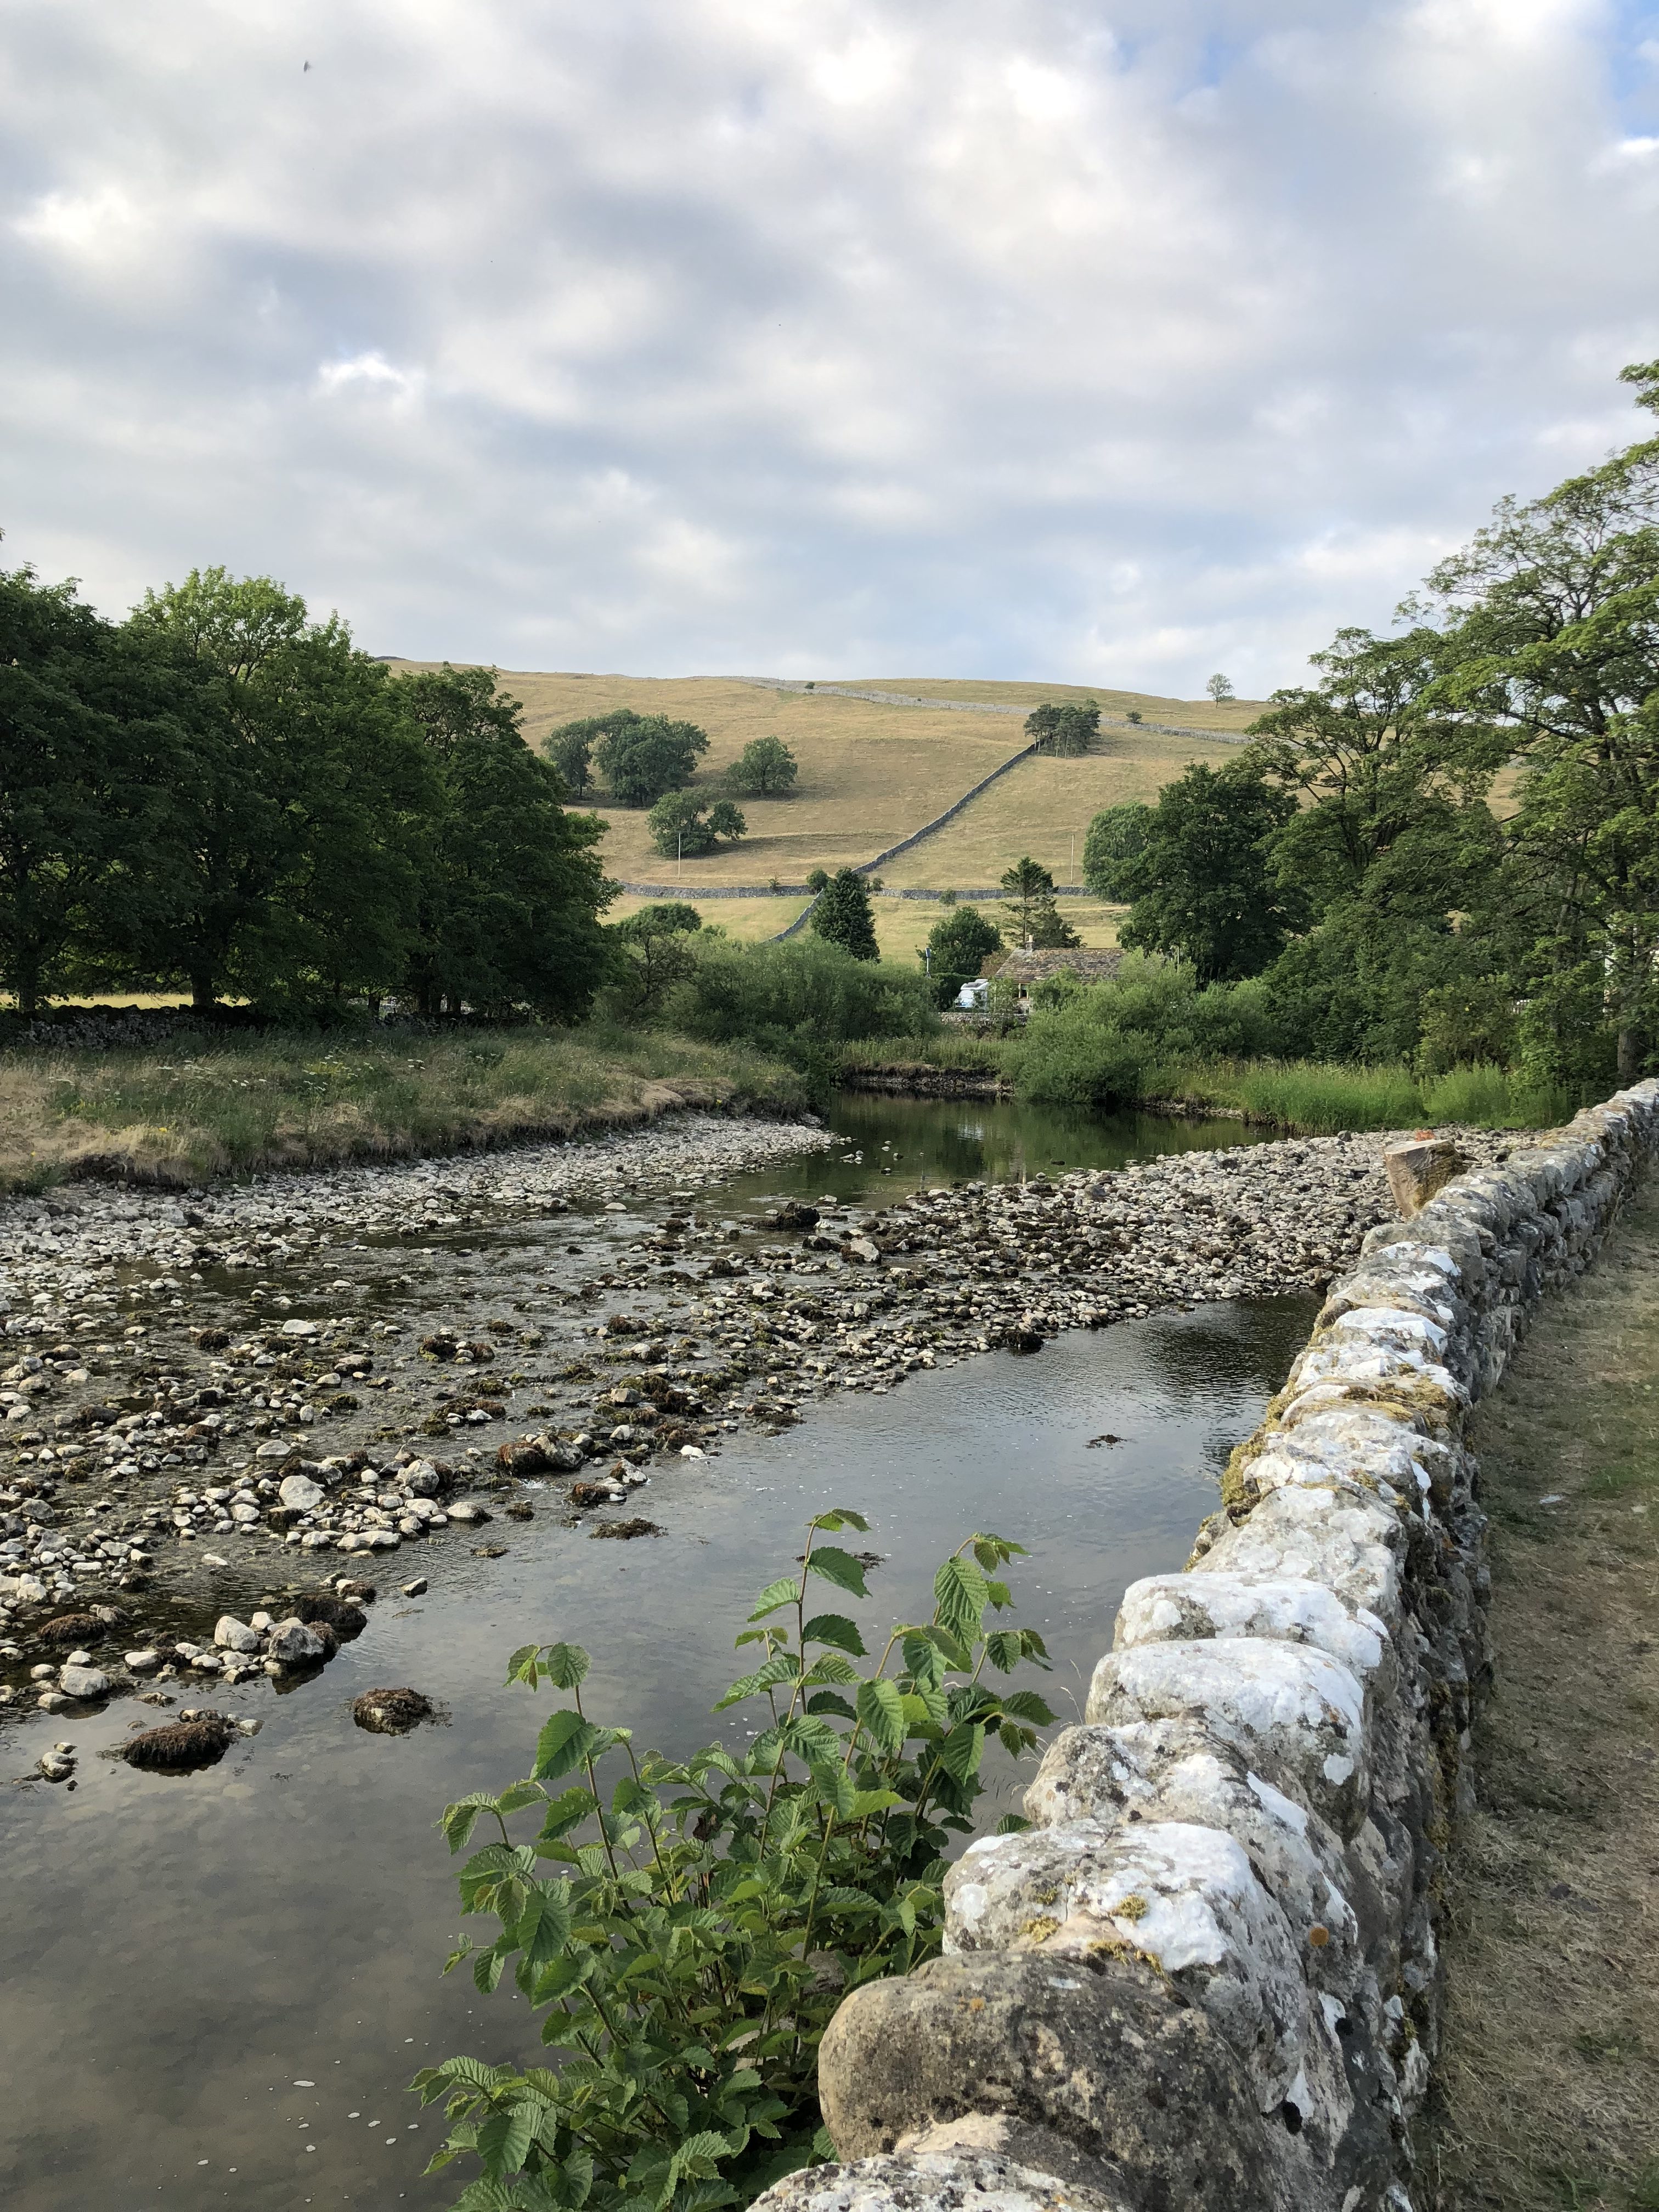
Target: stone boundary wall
1207, 1975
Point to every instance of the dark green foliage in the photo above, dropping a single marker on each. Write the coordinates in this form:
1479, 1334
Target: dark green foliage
960, 944
655, 953
817, 879
223, 793
700, 1920
684, 825
640, 756
570, 750
842, 916
288, 842
1204, 887
764, 768
798, 996
90, 738
1116, 835
1070, 729
509, 884
1109, 1044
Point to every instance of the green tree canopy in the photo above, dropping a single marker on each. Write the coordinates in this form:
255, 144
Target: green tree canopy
655, 953
570, 749
685, 824
511, 887
290, 834
1117, 834
640, 756
1070, 728
843, 916
1030, 917
764, 768
960, 943
91, 743
1204, 887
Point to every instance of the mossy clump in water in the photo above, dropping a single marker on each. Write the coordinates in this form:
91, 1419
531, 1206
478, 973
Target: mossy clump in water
389, 1713
182, 1744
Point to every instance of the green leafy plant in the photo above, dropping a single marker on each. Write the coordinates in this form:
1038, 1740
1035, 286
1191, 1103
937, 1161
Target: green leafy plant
688, 1932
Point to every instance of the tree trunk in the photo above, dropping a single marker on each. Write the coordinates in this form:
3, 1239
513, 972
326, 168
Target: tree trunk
203, 997
1627, 1055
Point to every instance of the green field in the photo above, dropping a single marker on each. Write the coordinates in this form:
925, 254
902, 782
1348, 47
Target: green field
872, 773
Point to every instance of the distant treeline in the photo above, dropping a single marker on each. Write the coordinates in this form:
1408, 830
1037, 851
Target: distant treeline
223, 795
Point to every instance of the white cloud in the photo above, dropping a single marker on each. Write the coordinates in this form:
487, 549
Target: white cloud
854, 335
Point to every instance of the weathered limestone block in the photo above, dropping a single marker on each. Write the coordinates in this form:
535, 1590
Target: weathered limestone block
1416, 1171
1177, 1771
1184, 1896
942, 2181
1305, 1711
1354, 1545
1090, 2070
1178, 1608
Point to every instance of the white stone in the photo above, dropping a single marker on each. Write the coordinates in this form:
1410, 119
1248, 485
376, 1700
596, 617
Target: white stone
233, 1635
1171, 1609
84, 1682
1304, 1711
1183, 1894
300, 1492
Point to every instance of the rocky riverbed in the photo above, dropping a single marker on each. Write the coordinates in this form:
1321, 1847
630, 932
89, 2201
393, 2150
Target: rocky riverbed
242, 1387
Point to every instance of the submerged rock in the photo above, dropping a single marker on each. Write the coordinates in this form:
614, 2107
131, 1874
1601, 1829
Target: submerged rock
199, 1741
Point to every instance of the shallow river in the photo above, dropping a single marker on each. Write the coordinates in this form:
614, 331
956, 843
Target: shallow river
216, 1986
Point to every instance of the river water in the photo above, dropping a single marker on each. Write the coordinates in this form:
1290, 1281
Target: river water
216, 1986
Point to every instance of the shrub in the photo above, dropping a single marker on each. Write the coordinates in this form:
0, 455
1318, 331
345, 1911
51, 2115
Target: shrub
798, 994
687, 1956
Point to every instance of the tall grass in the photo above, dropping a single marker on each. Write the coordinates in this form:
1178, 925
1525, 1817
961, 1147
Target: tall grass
197, 1109
1495, 1098
1316, 1098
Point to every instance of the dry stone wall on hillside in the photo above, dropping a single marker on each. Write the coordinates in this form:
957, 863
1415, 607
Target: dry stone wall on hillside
1207, 1974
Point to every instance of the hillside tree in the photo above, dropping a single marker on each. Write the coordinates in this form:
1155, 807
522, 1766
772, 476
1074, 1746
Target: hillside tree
1069, 729
687, 824
765, 769
1204, 887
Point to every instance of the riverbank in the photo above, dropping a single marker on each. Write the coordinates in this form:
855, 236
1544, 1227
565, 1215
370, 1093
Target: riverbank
378, 1360
200, 1106
1303, 1098
1548, 2078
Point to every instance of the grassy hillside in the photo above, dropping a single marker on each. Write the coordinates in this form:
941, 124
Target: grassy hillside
871, 773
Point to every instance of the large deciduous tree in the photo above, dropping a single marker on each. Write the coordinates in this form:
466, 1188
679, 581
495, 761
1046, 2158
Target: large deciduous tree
511, 888
765, 769
959, 943
1204, 888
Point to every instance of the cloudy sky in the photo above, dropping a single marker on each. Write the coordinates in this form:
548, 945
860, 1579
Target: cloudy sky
1114, 340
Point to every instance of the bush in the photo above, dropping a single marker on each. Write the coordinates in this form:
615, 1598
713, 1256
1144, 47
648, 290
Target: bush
798, 992
688, 1957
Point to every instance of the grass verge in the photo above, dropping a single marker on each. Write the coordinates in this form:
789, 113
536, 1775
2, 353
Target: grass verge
1547, 2088
197, 1109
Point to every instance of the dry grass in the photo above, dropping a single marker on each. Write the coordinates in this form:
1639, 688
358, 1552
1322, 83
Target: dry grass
902, 925
186, 1114
870, 774
1548, 2086
746, 920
